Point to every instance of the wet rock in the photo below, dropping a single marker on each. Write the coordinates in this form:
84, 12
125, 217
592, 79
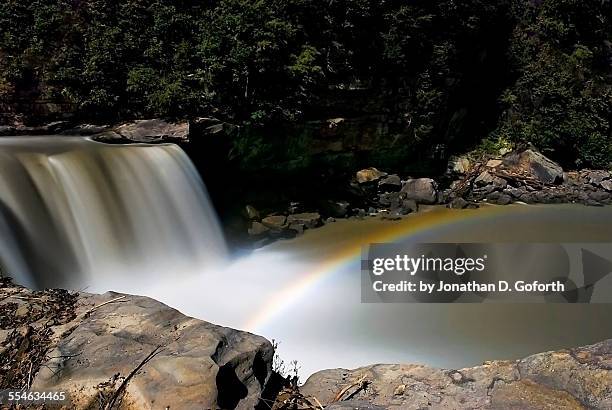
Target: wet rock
391, 183
258, 229
309, 220
534, 164
421, 190
276, 222
369, 175
330, 220
568, 379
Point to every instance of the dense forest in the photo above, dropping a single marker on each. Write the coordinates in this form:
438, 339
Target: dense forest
455, 72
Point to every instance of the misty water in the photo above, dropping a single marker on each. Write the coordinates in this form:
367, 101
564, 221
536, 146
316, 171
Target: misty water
137, 219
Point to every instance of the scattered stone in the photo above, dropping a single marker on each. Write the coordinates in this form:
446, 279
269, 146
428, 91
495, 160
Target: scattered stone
369, 175
330, 220
392, 183
422, 190
276, 222
309, 220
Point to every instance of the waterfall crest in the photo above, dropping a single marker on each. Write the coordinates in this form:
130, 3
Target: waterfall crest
73, 210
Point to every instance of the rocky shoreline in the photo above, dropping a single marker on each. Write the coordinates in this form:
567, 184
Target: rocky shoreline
131, 352
522, 176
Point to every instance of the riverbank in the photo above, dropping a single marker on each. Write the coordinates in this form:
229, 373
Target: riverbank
131, 352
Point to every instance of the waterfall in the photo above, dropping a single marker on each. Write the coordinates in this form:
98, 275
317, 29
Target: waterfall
73, 211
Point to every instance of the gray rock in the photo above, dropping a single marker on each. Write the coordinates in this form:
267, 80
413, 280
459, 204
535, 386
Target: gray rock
408, 206
567, 379
392, 183
369, 175
422, 190
534, 164
297, 228
486, 179
147, 131
258, 229
499, 198
607, 185
353, 405
276, 222
337, 209
309, 220
458, 203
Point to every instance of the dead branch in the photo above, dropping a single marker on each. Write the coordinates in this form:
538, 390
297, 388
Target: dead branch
360, 384
90, 311
125, 382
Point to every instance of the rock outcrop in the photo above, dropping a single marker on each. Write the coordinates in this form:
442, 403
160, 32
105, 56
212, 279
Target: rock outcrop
129, 349
578, 378
147, 131
421, 190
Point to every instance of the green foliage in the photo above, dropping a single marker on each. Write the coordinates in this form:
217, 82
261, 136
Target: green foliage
562, 99
444, 72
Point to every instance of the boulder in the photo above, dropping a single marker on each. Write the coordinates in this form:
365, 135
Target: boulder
251, 212
337, 209
458, 203
391, 183
421, 190
369, 175
534, 164
276, 222
408, 206
309, 219
568, 379
147, 131
132, 349
258, 229
486, 179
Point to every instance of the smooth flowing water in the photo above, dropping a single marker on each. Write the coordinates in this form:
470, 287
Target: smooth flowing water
73, 211
137, 219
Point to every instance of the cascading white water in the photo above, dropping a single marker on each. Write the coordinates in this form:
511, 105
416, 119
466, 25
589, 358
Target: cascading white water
72, 210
